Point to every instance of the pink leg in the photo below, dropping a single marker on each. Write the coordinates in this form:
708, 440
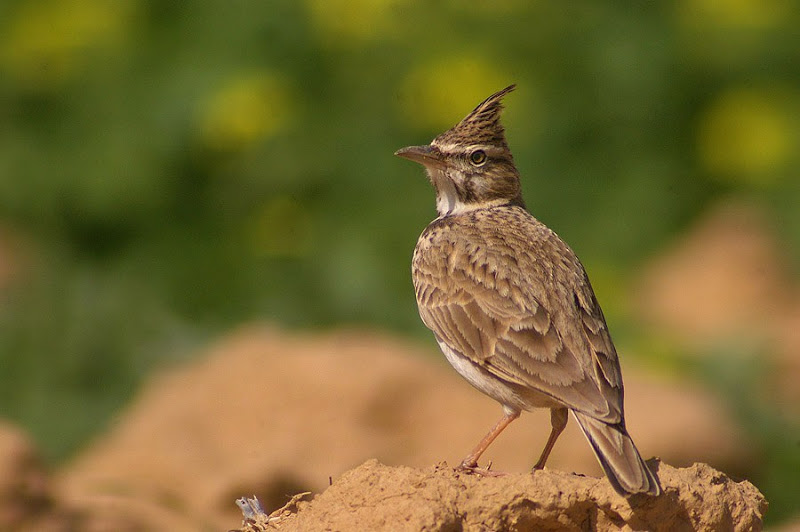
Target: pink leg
471, 460
558, 420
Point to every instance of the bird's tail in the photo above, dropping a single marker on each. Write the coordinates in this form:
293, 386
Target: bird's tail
618, 456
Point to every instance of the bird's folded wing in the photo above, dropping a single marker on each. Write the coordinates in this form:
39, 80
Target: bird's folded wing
569, 357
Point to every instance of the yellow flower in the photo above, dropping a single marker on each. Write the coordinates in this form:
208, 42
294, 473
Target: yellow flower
352, 22
438, 94
746, 135
494, 7
47, 41
756, 14
244, 111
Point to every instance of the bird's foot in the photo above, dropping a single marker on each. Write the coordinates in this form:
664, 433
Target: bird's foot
473, 468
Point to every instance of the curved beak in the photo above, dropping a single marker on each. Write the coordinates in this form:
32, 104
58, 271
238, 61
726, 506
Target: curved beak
424, 155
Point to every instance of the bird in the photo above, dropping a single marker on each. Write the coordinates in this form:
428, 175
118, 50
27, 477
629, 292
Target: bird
510, 303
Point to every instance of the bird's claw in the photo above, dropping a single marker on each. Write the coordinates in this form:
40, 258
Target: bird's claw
473, 468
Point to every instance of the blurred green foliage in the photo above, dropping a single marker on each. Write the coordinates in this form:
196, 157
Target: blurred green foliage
169, 169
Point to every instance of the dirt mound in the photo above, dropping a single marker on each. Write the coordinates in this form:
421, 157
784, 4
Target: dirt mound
378, 497
725, 278
272, 414
24, 483
726, 285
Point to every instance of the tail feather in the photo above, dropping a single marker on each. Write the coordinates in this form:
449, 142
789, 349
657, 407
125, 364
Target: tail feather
621, 461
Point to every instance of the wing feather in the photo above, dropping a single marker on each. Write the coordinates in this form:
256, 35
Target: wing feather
558, 346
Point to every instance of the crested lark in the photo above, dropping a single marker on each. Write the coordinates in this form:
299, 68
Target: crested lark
510, 304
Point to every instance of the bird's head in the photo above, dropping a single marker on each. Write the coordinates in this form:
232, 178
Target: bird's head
470, 164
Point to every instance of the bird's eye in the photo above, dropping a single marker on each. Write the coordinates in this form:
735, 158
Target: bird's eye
478, 157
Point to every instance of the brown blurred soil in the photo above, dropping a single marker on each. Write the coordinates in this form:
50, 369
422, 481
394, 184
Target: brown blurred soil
271, 413
26, 498
727, 277
379, 497
726, 285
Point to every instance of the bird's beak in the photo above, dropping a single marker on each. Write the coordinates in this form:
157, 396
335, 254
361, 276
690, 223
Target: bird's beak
424, 155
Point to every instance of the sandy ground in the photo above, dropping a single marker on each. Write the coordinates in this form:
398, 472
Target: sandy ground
378, 497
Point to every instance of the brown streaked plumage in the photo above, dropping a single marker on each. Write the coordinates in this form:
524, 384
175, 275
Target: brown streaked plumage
510, 303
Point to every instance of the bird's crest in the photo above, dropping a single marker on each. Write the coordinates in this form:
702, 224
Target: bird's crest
481, 126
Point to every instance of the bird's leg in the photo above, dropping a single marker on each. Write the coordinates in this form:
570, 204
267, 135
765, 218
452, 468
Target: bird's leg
558, 420
470, 463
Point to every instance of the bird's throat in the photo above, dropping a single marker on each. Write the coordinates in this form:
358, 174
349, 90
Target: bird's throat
447, 198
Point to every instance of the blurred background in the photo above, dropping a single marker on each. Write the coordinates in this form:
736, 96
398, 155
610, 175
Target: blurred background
171, 170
